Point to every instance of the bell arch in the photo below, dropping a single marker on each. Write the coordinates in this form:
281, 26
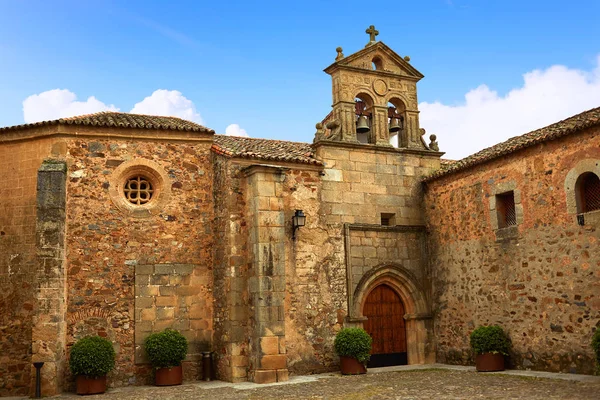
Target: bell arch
396, 118
419, 326
363, 106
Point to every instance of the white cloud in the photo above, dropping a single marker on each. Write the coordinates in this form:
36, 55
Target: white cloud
60, 103
168, 103
485, 118
235, 130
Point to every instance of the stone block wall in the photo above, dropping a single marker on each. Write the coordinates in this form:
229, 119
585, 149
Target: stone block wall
539, 280
361, 182
19, 164
49, 324
111, 247
266, 283
371, 247
231, 312
357, 184
173, 296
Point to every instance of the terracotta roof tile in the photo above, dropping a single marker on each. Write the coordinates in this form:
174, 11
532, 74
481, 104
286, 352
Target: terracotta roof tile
565, 127
264, 149
121, 120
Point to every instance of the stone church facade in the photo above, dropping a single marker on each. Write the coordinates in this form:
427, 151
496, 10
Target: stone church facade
122, 225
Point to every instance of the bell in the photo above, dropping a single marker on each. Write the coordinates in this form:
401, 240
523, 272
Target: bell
363, 125
394, 125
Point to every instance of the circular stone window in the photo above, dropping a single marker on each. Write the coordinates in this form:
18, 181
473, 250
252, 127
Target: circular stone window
138, 190
139, 187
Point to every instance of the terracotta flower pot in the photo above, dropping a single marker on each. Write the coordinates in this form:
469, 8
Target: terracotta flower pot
89, 385
489, 362
351, 366
168, 376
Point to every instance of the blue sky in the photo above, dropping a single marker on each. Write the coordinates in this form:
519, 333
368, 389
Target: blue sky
259, 64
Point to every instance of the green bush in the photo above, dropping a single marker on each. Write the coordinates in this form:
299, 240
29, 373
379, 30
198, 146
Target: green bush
93, 356
353, 342
166, 349
489, 339
596, 347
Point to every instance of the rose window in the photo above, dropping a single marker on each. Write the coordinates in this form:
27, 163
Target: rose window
138, 190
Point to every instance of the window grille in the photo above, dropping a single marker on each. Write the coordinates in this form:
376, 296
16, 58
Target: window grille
505, 206
591, 192
138, 190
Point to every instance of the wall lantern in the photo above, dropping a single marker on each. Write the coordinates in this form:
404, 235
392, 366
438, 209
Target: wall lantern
298, 220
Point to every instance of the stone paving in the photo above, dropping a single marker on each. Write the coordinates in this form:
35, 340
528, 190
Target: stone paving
442, 382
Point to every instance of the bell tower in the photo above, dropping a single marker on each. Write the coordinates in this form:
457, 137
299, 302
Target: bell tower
374, 98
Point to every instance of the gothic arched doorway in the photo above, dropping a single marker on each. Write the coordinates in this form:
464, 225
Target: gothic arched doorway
385, 311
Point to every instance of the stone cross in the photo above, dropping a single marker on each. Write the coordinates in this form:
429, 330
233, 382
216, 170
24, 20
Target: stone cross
372, 33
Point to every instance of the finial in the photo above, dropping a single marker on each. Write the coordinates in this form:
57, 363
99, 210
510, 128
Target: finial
434, 146
319, 133
407, 58
372, 33
340, 55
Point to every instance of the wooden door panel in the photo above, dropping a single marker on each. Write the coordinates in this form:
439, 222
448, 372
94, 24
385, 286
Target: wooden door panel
385, 321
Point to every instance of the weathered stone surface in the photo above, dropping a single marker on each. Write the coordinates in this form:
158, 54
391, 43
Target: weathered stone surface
540, 282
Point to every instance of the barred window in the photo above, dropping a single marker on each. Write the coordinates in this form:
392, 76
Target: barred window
505, 207
138, 190
587, 192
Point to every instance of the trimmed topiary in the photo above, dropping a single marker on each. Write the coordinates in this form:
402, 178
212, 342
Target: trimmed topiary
490, 339
353, 342
166, 349
92, 356
596, 347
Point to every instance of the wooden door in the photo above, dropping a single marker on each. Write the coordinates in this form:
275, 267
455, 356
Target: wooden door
385, 323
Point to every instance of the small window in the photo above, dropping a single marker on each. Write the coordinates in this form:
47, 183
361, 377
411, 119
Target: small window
587, 192
377, 63
505, 207
387, 219
138, 190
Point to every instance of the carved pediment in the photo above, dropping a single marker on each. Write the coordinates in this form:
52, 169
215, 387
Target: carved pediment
386, 60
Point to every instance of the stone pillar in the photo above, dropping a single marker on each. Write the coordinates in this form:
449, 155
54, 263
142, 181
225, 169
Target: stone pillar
267, 279
49, 322
411, 130
344, 111
380, 127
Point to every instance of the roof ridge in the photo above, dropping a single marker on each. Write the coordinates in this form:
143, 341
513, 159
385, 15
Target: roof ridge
120, 119
574, 123
253, 138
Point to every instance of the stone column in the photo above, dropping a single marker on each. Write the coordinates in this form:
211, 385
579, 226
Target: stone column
344, 111
380, 127
411, 130
267, 279
49, 322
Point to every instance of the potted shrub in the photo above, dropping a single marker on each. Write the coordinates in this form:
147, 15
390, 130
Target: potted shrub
353, 345
92, 357
166, 350
596, 348
490, 344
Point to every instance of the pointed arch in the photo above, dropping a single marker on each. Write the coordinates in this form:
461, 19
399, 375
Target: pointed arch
419, 326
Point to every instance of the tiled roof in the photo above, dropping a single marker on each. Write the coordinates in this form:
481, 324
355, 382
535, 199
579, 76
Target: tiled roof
565, 127
121, 120
264, 149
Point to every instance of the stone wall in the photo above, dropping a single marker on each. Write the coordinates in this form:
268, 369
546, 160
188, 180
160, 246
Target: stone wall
167, 249
231, 329
19, 163
357, 185
49, 324
173, 296
539, 280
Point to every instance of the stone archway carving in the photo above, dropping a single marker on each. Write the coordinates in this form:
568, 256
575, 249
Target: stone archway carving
419, 324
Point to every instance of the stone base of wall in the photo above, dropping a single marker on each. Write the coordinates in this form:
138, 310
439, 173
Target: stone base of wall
572, 363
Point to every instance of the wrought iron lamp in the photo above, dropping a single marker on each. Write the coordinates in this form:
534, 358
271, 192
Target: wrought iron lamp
298, 220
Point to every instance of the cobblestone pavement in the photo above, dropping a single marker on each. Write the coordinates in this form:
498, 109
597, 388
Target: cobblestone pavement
418, 384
